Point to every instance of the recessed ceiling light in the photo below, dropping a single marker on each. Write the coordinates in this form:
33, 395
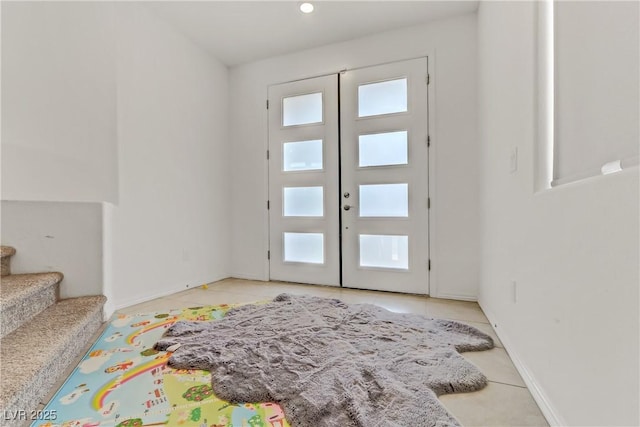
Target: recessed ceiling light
306, 8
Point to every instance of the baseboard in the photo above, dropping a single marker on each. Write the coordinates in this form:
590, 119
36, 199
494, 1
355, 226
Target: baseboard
548, 410
455, 297
107, 310
117, 306
249, 277
140, 300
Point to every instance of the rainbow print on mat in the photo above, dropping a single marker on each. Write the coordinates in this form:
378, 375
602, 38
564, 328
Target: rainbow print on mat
123, 382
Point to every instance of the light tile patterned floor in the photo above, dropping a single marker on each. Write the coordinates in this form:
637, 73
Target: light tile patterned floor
505, 402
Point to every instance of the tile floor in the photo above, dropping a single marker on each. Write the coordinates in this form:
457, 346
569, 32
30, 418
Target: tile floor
504, 402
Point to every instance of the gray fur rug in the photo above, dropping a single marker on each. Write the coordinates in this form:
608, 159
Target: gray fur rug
333, 364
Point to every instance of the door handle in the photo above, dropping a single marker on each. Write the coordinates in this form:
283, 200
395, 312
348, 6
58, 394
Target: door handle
347, 207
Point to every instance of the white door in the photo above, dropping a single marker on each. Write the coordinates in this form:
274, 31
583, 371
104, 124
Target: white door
384, 177
348, 198
303, 181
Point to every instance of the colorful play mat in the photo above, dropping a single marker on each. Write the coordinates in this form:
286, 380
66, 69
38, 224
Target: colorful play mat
123, 382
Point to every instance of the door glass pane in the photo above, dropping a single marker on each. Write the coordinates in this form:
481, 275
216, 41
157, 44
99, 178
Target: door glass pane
384, 251
303, 201
380, 149
304, 247
382, 98
302, 109
302, 155
384, 200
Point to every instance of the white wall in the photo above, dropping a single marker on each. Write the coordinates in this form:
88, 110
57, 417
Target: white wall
170, 228
104, 102
56, 236
451, 46
572, 250
608, 31
59, 101
59, 147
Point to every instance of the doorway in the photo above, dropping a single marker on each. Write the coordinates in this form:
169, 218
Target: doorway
348, 179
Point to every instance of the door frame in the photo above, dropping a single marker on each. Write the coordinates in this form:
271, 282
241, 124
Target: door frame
431, 153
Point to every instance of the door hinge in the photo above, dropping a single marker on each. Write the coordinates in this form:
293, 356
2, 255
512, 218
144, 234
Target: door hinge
268, 254
267, 104
268, 205
428, 78
429, 264
428, 140
267, 154
428, 202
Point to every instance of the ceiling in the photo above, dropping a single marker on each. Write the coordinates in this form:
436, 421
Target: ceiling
238, 32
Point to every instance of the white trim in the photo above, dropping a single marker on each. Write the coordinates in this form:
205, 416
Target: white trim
266, 218
455, 297
537, 392
631, 162
107, 258
587, 180
249, 276
545, 126
151, 297
431, 184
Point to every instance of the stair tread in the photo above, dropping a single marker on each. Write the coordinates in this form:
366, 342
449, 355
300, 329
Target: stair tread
17, 287
29, 349
6, 251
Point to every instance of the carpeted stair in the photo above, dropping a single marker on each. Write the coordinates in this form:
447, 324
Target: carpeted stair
40, 336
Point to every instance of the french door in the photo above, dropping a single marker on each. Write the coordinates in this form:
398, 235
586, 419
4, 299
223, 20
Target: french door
303, 182
348, 179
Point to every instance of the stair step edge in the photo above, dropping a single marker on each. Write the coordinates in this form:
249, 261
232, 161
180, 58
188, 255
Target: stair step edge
7, 251
18, 287
28, 352
16, 315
